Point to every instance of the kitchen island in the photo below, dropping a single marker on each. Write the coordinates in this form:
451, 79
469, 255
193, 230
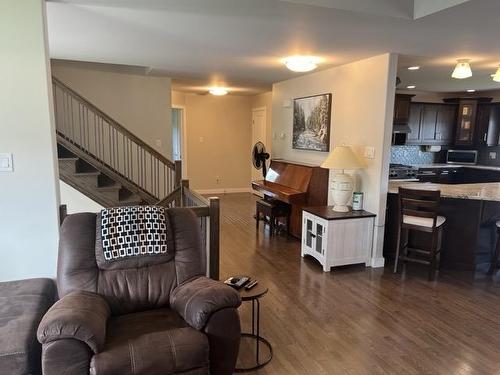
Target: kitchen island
489, 191
471, 211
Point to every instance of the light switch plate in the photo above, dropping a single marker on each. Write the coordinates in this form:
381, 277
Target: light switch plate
370, 152
6, 162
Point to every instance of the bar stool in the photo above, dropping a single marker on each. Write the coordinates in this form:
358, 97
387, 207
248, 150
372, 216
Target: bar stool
496, 253
418, 212
274, 210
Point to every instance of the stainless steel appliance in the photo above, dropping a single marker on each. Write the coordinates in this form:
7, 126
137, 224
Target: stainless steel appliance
461, 157
402, 172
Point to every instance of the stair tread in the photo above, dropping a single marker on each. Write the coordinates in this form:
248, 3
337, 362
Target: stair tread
67, 158
116, 187
126, 203
96, 173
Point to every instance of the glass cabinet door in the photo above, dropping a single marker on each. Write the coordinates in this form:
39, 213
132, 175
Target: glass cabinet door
309, 233
319, 238
466, 122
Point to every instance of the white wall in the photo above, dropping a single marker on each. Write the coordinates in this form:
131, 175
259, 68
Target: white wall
362, 107
29, 196
76, 201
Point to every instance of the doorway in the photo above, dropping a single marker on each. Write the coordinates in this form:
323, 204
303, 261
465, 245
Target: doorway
258, 135
179, 147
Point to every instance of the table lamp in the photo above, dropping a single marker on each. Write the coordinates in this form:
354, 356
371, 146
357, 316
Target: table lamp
342, 157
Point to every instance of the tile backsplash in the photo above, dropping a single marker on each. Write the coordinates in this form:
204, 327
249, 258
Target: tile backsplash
415, 155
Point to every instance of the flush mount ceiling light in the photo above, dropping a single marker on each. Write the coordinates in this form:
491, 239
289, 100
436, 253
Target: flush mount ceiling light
415, 67
411, 87
218, 91
299, 63
462, 70
496, 76
471, 90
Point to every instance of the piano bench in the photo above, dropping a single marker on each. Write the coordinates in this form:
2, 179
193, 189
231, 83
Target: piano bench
274, 210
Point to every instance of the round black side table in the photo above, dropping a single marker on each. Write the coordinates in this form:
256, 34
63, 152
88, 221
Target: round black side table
254, 295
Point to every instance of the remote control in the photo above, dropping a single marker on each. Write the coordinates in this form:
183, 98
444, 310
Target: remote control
251, 285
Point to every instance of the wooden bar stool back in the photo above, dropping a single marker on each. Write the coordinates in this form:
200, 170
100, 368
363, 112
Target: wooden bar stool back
418, 212
496, 254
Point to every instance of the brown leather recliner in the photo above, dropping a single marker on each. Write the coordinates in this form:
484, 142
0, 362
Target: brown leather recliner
148, 312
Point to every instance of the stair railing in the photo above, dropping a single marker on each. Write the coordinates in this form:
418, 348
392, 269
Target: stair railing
86, 129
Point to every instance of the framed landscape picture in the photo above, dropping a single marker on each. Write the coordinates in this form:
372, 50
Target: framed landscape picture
311, 123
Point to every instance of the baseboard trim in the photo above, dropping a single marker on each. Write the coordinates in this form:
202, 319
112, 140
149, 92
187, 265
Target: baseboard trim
224, 191
377, 262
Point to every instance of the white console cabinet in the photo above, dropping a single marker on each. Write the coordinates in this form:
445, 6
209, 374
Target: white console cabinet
337, 238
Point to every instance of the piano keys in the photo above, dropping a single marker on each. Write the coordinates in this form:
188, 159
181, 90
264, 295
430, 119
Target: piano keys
297, 184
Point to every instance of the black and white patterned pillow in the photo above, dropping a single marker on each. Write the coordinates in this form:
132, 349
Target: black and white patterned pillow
133, 231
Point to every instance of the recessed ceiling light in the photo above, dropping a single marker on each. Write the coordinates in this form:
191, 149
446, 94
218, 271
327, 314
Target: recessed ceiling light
462, 70
415, 67
411, 87
218, 91
471, 90
300, 63
496, 76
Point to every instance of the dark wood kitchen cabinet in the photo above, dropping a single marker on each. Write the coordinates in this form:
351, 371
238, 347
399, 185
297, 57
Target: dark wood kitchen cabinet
402, 108
431, 124
488, 125
428, 123
413, 138
466, 124
445, 123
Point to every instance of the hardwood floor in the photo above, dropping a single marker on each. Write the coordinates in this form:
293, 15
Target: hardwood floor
358, 320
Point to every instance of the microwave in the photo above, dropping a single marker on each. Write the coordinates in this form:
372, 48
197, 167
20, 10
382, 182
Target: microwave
461, 157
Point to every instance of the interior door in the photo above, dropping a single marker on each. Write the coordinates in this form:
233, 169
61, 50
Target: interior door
258, 135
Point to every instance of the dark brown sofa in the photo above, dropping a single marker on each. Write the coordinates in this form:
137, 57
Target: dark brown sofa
148, 312
22, 305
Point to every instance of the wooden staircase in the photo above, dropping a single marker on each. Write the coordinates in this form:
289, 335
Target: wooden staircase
93, 183
106, 162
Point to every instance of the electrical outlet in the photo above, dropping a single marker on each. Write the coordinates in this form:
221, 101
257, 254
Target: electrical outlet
217, 180
493, 155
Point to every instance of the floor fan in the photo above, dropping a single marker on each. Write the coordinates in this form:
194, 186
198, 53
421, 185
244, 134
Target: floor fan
259, 157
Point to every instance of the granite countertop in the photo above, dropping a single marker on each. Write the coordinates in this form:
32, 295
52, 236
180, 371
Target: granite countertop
490, 167
489, 191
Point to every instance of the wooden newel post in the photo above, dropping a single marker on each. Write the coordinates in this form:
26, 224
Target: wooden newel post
214, 210
63, 212
178, 180
178, 173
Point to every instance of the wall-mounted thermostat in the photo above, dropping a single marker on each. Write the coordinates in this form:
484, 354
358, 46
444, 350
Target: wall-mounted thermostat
6, 164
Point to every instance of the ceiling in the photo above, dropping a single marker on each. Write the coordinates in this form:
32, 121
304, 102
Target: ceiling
240, 43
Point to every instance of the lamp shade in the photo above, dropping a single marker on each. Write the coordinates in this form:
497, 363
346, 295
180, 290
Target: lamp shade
343, 157
462, 70
496, 76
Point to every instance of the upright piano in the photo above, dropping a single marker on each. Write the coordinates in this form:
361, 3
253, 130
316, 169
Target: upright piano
297, 184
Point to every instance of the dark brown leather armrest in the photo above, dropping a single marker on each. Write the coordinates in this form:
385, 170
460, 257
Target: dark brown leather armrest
197, 299
79, 315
